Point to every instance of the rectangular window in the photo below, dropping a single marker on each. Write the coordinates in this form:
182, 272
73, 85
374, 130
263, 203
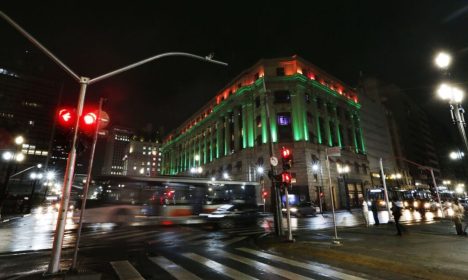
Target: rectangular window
282, 96
280, 71
284, 119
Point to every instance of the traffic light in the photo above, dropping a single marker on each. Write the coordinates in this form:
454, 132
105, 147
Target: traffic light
264, 194
88, 121
67, 117
286, 178
286, 158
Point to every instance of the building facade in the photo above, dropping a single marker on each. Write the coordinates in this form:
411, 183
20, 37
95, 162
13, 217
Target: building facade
376, 130
296, 105
142, 158
117, 142
27, 108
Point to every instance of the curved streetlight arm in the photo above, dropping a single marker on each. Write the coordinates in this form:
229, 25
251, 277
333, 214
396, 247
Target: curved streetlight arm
136, 64
22, 171
39, 45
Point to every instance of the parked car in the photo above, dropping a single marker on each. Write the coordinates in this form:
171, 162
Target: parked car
302, 209
231, 215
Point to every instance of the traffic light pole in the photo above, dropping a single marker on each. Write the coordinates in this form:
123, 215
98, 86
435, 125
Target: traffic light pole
335, 241
275, 195
54, 264
86, 186
288, 213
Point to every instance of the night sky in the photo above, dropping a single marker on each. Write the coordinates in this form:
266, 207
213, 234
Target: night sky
394, 41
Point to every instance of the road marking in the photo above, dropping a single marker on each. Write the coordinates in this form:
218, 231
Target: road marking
322, 269
265, 267
173, 269
221, 242
174, 237
126, 271
225, 270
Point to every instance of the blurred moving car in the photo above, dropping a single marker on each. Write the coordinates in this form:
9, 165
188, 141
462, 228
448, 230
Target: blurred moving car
302, 209
231, 215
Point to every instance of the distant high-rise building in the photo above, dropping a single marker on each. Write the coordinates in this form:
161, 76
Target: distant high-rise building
410, 133
375, 129
27, 108
142, 158
117, 141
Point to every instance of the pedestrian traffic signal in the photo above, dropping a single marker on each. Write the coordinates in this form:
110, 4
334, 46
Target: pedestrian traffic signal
67, 117
286, 178
286, 158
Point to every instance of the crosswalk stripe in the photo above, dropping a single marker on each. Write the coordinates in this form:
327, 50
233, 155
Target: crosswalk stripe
126, 271
266, 267
324, 270
234, 274
173, 269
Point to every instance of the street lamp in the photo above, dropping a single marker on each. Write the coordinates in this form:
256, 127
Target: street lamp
456, 155
19, 140
443, 60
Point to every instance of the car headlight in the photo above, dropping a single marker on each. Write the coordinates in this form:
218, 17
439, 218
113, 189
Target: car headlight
382, 203
415, 204
293, 209
405, 203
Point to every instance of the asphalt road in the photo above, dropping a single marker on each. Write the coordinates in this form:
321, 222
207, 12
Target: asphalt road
179, 251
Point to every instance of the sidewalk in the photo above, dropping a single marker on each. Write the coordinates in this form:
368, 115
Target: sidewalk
427, 252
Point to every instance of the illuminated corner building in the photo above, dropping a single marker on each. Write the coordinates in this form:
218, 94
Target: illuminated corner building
309, 110
27, 108
142, 158
118, 139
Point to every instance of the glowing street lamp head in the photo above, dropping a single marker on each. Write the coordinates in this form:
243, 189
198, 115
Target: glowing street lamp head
197, 157
451, 93
457, 95
19, 140
225, 175
50, 175
7, 155
20, 157
260, 170
443, 60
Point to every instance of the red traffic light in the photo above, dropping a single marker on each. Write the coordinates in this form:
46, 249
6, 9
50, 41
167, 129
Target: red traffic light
264, 194
88, 121
286, 158
66, 117
286, 178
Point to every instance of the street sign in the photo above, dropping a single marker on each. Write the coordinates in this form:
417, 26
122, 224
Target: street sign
334, 152
274, 161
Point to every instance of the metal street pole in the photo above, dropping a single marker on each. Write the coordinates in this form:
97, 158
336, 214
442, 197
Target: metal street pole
288, 212
385, 190
460, 122
335, 241
54, 265
437, 192
86, 186
275, 195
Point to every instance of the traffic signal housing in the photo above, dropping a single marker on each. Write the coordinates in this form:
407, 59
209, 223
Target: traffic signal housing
66, 117
286, 178
88, 122
286, 158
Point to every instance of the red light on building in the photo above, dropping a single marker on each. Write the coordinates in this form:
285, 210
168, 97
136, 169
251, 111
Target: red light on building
66, 117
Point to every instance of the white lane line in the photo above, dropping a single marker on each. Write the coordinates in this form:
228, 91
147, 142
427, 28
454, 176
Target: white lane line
265, 267
225, 270
126, 271
173, 269
318, 268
